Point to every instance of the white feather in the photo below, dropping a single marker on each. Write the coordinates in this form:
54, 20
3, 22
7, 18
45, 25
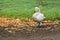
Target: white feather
37, 16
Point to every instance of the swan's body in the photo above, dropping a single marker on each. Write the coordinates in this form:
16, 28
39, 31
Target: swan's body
37, 16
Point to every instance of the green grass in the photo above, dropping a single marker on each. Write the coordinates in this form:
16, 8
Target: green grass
25, 8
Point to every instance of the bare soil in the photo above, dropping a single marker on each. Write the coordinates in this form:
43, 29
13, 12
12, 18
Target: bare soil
17, 29
24, 35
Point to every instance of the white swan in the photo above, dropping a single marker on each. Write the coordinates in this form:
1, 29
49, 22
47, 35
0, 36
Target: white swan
37, 16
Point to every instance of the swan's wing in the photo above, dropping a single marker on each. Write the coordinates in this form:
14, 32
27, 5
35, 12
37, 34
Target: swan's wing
38, 17
42, 16
34, 17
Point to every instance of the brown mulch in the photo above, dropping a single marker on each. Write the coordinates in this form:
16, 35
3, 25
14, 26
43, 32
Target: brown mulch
10, 24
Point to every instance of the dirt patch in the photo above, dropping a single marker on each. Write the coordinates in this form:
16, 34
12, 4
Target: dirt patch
38, 35
26, 29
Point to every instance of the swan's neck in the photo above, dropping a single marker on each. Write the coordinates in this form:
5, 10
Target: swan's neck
37, 12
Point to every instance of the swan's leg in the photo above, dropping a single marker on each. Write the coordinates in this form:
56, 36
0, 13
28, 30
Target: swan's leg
38, 25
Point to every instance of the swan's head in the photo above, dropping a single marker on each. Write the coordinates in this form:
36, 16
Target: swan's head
37, 9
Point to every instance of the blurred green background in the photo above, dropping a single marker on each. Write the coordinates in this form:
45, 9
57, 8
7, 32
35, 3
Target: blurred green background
25, 8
